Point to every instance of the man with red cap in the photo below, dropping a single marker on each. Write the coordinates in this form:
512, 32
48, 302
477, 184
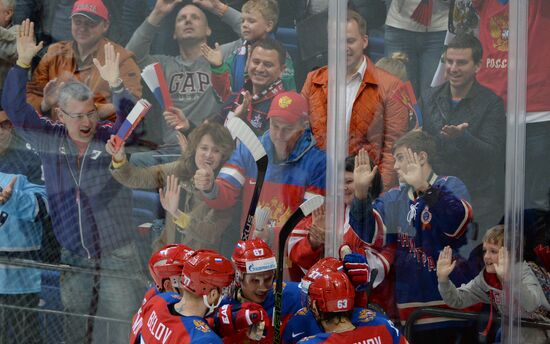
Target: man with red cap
296, 168
68, 60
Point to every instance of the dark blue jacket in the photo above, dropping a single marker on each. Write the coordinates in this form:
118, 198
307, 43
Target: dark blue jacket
91, 212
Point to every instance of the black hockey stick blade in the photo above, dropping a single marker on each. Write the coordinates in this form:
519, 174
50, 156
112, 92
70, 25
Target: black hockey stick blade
304, 210
239, 129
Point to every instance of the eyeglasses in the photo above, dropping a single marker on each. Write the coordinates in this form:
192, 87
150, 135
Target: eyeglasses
80, 116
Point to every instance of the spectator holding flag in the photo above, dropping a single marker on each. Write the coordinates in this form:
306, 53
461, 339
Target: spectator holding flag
90, 211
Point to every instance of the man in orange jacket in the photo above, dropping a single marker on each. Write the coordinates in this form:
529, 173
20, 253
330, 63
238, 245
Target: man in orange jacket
375, 120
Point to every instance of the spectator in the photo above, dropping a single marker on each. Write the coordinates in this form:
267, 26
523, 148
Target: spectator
395, 65
258, 21
91, 212
493, 73
296, 168
374, 119
417, 28
22, 206
8, 51
307, 247
265, 69
426, 213
468, 121
196, 225
188, 75
487, 287
72, 60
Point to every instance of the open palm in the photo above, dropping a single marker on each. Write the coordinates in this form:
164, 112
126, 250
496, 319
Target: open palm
26, 43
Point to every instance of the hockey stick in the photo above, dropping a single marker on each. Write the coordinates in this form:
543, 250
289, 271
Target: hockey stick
239, 129
304, 210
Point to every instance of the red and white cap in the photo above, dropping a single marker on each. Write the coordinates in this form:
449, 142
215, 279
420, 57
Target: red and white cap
94, 10
253, 256
290, 106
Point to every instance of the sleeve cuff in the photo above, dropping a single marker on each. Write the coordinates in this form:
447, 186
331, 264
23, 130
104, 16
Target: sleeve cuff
118, 164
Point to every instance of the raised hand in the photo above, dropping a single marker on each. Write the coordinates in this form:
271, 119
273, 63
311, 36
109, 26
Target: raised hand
317, 229
161, 9
5, 193
453, 131
26, 43
182, 140
501, 267
445, 264
242, 109
51, 94
363, 174
209, 5
118, 155
110, 70
170, 195
414, 175
204, 179
176, 118
213, 56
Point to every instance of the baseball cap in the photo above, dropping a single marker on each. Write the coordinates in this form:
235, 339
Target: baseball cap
95, 10
290, 106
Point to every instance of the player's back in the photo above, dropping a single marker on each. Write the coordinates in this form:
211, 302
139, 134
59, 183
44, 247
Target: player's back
359, 335
163, 325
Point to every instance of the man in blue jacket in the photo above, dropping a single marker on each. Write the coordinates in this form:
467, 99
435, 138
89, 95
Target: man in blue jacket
90, 211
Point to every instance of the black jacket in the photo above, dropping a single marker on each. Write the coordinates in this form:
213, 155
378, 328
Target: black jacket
477, 157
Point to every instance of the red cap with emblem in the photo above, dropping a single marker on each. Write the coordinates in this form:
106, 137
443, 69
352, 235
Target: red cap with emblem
253, 256
290, 106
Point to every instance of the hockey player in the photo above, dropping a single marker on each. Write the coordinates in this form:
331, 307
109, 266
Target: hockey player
303, 323
255, 272
330, 297
165, 267
173, 318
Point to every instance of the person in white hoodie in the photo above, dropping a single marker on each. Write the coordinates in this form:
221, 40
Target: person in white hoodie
487, 287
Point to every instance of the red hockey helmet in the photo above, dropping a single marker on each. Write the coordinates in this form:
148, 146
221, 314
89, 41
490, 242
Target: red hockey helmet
168, 263
252, 256
324, 265
332, 292
205, 270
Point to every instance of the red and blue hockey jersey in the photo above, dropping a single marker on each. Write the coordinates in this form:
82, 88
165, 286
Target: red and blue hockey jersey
371, 328
137, 320
291, 304
303, 325
162, 324
418, 226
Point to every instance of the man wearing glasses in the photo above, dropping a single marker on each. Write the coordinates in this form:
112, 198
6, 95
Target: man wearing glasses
72, 60
90, 211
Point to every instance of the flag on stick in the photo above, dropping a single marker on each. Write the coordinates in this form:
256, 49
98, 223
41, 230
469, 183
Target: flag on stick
154, 78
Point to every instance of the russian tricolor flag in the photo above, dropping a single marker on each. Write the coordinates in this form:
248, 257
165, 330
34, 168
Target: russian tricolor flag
154, 78
132, 120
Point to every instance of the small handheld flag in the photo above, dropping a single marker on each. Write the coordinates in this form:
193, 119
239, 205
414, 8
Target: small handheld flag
132, 120
154, 78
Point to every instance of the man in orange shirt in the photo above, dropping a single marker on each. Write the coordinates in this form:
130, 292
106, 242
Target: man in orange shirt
375, 120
